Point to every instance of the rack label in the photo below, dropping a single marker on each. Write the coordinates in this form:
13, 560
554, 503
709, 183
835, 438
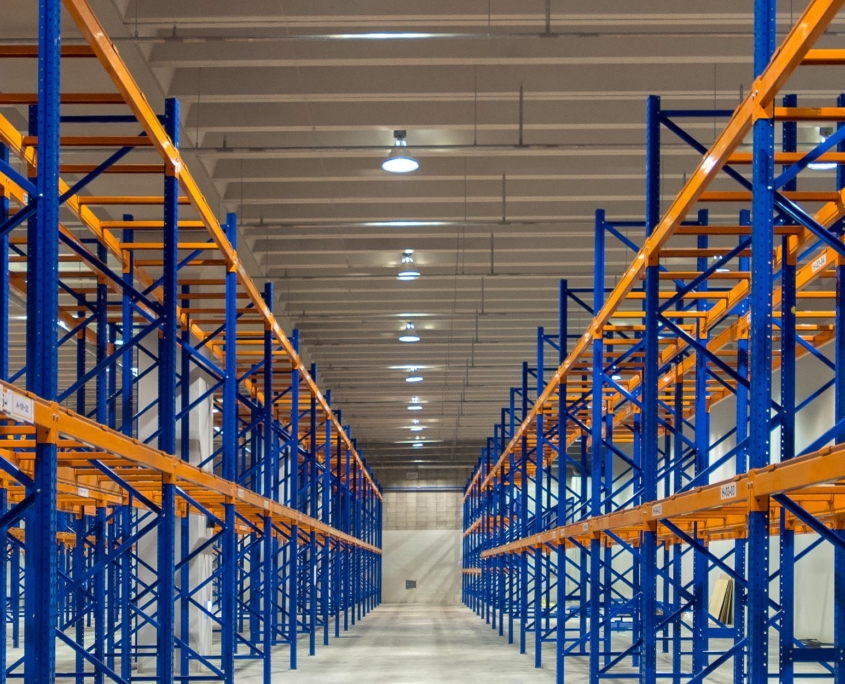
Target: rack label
83, 492
585, 527
728, 491
657, 509
18, 406
820, 263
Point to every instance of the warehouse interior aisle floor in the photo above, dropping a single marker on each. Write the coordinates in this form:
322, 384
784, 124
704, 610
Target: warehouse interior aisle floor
408, 644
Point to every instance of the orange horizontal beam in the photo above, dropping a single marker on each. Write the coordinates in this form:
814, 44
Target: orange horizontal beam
95, 141
142, 246
31, 51
810, 113
149, 225
115, 169
745, 196
139, 200
824, 57
66, 98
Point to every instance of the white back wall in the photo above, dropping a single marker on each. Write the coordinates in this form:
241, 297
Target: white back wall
814, 573
423, 536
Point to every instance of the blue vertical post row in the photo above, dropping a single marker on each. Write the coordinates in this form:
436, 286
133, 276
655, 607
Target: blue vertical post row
787, 402
523, 522
328, 518
538, 509
4, 279
762, 244
597, 456
648, 548
839, 416
560, 641
4, 375
4, 578
293, 450
127, 327
347, 551
313, 484
99, 592
167, 348
41, 355
740, 555
101, 351
80, 594
185, 455
270, 479
228, 557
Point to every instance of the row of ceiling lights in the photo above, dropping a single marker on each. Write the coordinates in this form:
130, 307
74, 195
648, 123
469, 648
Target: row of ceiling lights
400, 161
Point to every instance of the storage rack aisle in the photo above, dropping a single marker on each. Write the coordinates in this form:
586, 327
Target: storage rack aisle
167, 459
598, 512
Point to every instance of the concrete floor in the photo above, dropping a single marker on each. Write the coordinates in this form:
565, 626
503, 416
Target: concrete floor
417, 644
412, 645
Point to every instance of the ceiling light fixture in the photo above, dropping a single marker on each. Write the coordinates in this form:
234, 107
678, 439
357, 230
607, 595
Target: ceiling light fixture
408, 334
415, 407
417, 428
414, 376
408, 273
824, 133
822, 166
399, 161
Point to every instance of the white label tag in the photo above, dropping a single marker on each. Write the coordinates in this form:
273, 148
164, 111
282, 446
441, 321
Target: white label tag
728, 491
585, 527
820, 263
240, 493
18, 406
83, 492
266, 505
657, 509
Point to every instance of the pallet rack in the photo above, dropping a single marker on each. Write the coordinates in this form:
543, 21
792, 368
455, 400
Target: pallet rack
192, 433
598, 510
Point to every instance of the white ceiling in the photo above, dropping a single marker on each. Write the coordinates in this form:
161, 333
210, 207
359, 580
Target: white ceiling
290, 107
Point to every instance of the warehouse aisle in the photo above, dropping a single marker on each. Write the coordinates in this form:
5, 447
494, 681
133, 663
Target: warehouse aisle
412, 645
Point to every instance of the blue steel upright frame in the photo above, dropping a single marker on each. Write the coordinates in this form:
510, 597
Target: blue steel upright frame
112, 492
639, 519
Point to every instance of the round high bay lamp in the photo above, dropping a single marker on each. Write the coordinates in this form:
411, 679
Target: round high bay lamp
399, 160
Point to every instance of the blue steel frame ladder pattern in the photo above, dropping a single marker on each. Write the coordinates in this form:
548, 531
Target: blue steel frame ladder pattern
110, 499
597, 513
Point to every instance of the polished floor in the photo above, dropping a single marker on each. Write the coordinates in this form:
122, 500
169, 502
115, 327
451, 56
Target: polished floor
419, 644
413, 645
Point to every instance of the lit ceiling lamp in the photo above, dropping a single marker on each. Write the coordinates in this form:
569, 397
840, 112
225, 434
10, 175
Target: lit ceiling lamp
824, 133
414, 376
417, 428
408, 334
415, 404
417, 445
408, 273
399, 161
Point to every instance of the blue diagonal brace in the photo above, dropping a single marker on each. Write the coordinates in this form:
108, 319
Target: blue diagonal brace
809, 519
